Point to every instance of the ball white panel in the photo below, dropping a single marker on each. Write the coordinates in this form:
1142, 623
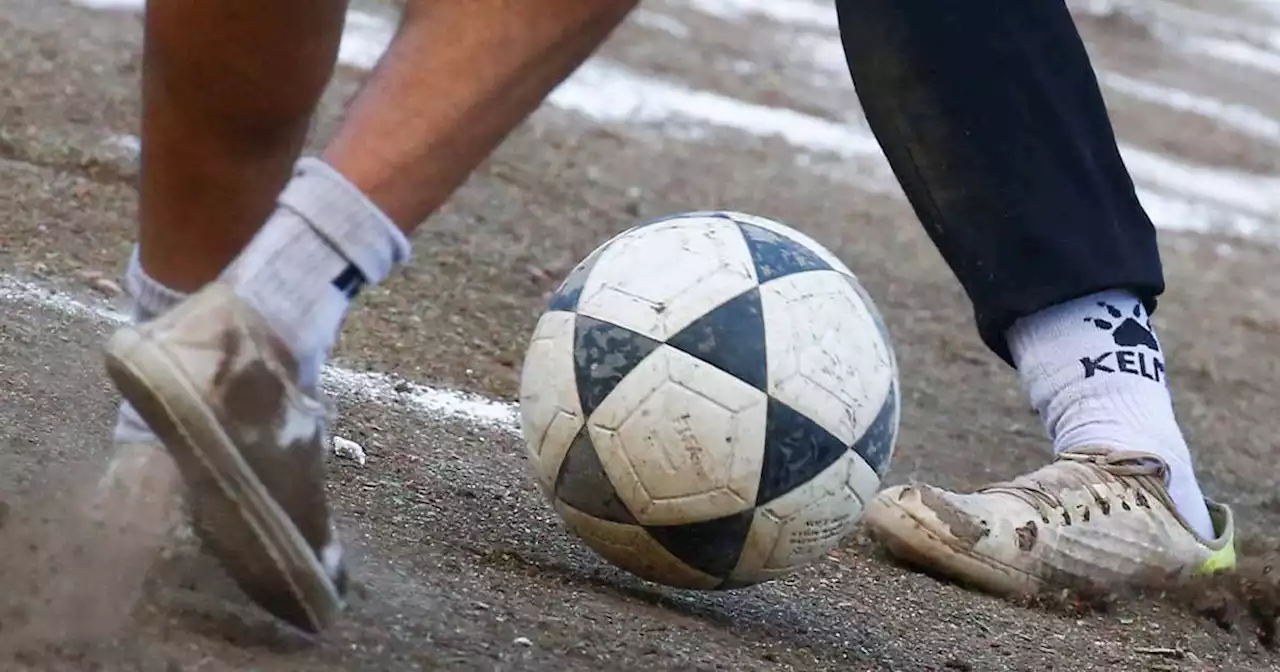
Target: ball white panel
656, 279
808, 522
630, 548
681, 440
550, 413
794, 234
826, 356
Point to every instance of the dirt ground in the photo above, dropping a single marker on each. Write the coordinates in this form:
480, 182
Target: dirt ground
460, 565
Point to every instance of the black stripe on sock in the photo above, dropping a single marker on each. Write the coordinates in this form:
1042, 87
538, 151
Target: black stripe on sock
350, 281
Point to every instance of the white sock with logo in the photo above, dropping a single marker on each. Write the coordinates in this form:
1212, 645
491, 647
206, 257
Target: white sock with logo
323, 243
150, 299
1095, 372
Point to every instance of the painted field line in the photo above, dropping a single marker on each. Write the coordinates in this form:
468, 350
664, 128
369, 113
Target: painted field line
432, 403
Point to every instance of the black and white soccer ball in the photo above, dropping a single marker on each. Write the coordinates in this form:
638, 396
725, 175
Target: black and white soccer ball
710, 400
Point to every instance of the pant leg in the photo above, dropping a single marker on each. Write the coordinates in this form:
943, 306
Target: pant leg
991, 117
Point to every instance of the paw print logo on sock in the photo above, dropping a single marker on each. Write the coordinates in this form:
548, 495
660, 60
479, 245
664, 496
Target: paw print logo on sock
1128, 330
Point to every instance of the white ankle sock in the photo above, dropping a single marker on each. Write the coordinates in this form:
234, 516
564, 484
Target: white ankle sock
324, 242
1094, 370
150, 299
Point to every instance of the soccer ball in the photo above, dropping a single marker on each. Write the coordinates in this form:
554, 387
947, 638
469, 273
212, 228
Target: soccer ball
710, 400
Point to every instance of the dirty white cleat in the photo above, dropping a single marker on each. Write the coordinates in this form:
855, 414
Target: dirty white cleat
217, 386
1092, 518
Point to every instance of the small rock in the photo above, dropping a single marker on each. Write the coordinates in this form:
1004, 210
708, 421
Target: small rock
347, 449
106, 287
538, 273
522, 641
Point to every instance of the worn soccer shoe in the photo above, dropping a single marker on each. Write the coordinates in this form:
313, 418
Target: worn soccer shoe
217, 386
1093, 518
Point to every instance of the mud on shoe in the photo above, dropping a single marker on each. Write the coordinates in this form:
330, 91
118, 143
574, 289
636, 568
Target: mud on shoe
217, 386
1093, 518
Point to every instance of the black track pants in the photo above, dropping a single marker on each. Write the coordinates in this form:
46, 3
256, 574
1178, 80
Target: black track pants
991, 117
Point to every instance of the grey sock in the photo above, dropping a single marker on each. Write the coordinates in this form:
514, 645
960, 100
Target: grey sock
322, 244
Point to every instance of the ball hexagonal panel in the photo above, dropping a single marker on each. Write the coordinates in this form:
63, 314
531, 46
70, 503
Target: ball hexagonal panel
827, 357
658, 278
805, 524
550, 414
681, 440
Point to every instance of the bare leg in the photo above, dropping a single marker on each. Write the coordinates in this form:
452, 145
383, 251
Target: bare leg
226, 108
458, 79
223, 128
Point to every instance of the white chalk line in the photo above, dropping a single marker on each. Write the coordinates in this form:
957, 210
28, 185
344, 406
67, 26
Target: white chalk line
826, 55
1242, 119
1238, 53
432, 403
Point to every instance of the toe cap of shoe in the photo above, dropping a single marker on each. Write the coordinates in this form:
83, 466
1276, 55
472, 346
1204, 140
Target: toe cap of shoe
912, 511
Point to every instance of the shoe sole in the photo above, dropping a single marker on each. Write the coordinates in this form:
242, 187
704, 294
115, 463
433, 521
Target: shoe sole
269, 558
915, 543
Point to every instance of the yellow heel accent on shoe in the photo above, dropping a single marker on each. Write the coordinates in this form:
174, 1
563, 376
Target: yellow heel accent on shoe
1222, 560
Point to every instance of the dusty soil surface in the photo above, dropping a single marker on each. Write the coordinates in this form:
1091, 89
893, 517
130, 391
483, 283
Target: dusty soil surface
461, 566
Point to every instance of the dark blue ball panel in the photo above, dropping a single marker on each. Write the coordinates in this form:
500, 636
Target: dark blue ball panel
776, 255
795, 450
731, 338
569, 292
603, 354
875, 446
583, 484
712, 547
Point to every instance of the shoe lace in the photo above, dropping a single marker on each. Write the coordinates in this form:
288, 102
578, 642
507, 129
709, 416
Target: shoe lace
1083, 469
